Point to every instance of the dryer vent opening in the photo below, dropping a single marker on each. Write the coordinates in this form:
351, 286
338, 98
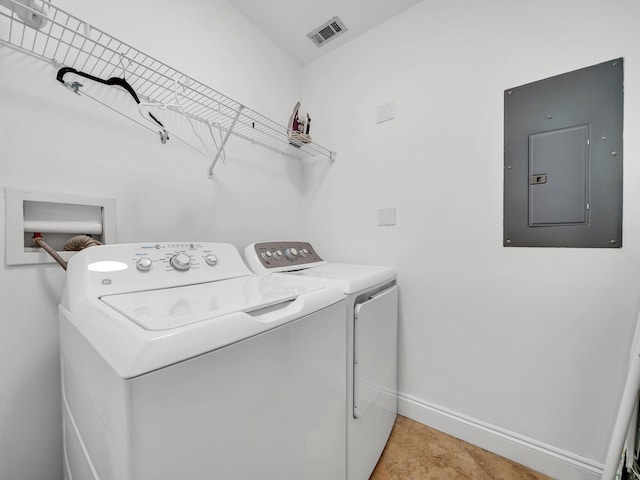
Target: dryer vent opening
328, 31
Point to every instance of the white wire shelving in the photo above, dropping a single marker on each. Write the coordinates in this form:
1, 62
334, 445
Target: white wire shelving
49, 33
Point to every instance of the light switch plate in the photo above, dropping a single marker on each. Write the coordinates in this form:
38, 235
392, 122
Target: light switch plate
387, 216
386, 112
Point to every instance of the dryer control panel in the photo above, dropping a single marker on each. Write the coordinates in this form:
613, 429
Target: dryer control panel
281, 256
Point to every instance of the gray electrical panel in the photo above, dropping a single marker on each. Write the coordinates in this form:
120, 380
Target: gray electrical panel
563, 160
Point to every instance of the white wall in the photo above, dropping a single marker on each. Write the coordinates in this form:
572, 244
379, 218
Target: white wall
477, 349
522, 350
53, 140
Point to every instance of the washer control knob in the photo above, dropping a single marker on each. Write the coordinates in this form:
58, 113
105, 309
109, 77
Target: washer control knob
304, 252
181, 261
211, 260
277, 254
266, 255
144, 264
291, 253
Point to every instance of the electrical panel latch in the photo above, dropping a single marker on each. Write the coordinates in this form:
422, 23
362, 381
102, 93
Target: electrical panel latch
538, 179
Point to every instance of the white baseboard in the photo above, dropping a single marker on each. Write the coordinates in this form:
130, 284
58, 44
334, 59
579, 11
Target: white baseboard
543, 458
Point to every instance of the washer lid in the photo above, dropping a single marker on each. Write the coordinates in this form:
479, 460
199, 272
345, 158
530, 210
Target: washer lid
348, 278
170, 308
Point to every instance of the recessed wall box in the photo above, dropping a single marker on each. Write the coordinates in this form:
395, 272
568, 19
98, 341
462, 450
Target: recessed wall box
563, 160
58, 217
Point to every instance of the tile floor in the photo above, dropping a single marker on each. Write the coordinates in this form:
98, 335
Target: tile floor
417, 452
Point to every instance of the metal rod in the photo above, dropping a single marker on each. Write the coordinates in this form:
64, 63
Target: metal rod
224, 141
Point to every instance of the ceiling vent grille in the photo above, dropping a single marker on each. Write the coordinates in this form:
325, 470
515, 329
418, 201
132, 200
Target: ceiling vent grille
326, 32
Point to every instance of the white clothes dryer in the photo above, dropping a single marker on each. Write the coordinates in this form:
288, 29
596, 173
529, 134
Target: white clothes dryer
372, 335
179, 363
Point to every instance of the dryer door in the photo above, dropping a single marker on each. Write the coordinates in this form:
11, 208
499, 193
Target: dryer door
375, 378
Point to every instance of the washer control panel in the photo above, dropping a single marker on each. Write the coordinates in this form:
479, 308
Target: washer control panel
282, 256
173, 256
111, 269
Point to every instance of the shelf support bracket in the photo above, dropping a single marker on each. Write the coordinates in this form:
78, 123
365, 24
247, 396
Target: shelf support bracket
224, 140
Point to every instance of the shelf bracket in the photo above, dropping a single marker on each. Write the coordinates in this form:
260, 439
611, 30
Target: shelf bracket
224, 140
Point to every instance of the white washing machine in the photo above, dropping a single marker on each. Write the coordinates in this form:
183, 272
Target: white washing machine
372, 335
179, 363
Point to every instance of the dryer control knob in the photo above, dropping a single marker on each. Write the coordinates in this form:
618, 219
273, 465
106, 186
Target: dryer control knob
266, 255
304, 252
211, 260
181, 261
144, 264
277, 254
291, 253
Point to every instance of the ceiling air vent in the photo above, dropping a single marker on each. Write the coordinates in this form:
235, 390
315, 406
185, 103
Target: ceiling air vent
328, 31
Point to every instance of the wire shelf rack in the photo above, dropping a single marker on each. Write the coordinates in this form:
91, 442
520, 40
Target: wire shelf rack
49, 33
